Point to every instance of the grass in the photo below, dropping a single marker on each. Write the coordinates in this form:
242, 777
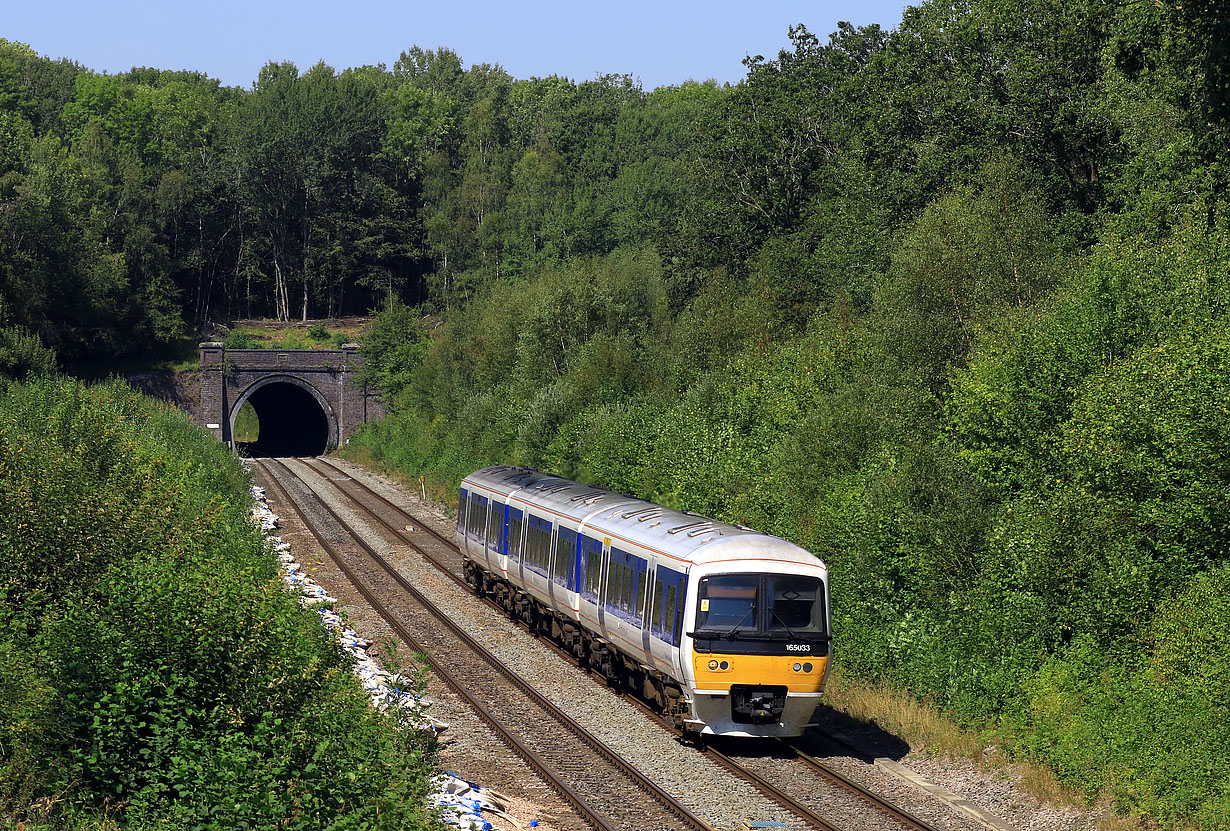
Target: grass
924, 727
314, 334
434, 489
183, 355
929, 731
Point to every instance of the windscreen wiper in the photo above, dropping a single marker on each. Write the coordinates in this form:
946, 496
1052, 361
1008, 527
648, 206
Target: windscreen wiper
785, 625
734, 629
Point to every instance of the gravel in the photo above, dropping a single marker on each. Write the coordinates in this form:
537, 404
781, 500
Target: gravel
707, 789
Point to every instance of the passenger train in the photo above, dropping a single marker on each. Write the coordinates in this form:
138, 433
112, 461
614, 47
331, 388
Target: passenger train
725, 629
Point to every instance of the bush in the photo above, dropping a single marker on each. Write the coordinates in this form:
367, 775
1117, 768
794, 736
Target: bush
240, 340
1151, 728
153, 667
1011, 492
23, 354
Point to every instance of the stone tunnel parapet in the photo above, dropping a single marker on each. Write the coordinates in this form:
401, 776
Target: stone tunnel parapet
229, 376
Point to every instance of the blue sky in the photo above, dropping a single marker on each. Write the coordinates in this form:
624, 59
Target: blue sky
660, 42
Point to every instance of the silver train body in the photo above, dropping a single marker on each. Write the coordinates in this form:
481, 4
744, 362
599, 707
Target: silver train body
724, 628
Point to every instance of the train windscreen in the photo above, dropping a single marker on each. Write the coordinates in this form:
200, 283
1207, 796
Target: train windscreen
764, 605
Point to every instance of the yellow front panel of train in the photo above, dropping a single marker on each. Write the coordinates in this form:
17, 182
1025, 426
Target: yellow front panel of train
717, 671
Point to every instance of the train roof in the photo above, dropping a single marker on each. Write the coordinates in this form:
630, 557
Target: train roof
679, 534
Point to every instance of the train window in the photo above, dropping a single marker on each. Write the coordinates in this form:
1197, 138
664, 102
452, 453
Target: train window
796, 603
666, 615
612, 584
544, 549
478, 510
729, 602
514, 533
655, 612
592, 551
565, 557
493, 523
461, 508
593, 573
626, 585
538, 544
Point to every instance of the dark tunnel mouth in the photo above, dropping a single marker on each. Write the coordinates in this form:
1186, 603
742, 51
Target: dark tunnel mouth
292, 421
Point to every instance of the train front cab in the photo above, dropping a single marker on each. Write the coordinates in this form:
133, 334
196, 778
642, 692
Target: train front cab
759, 643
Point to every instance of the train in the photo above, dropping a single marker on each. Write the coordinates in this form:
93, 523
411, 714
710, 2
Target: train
725, 630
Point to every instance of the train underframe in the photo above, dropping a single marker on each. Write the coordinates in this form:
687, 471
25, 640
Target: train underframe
590, 649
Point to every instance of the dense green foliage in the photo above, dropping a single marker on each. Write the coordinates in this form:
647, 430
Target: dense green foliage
135, 207
945, 304
152, 668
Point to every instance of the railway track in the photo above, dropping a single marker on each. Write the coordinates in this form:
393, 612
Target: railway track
764, 775
607, 791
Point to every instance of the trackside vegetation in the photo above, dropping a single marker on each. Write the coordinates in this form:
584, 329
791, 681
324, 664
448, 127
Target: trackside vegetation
1038, 546
946, 305
153, 672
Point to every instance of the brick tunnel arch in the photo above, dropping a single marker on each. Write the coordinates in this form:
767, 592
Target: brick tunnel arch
295, 418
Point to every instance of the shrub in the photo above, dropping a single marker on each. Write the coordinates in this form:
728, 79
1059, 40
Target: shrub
153, 667
240, 340
22, 354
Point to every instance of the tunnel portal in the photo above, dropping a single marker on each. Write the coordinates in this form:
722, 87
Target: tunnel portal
292, 421
308, 401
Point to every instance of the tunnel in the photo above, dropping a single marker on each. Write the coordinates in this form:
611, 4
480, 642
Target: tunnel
292, 421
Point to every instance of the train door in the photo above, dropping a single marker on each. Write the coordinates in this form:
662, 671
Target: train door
495, 533
564, 567
648, 587
502, 551
478, 526
516, 523
553, 555
602, 575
